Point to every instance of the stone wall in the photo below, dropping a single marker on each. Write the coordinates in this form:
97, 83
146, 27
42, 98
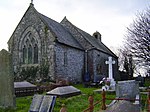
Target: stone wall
31, 22
98, 67
84, 43
69, 63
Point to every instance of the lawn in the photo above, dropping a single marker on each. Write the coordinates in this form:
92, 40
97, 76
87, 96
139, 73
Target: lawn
73, 104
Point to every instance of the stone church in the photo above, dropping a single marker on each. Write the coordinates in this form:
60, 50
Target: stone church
71, 53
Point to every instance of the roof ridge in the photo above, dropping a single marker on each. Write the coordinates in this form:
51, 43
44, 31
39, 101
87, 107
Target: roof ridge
99, 48
52, 24
30, 6
76, 28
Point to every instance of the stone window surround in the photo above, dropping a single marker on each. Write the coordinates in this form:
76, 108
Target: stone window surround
24, 37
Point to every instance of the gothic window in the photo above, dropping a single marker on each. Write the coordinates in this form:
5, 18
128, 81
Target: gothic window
24, 55
29, 54
29, 48
35, 54
27, 42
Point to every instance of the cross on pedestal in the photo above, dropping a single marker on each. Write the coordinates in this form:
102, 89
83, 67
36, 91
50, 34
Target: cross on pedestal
110, 62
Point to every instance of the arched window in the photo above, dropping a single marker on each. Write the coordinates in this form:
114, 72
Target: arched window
35, 54
24, 55
29, 54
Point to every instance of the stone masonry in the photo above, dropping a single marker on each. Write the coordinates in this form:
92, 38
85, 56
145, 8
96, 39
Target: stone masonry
62, 45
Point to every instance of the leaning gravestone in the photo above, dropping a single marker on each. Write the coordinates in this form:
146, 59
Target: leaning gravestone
7, 96
42, 103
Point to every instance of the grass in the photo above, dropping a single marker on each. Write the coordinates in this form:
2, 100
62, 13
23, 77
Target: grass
147, 82
144, 102
73, 104
80, 102
22, 105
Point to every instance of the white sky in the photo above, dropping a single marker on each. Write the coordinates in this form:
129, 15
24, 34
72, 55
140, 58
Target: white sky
109, 17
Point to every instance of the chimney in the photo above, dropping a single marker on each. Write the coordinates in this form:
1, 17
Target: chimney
97, 35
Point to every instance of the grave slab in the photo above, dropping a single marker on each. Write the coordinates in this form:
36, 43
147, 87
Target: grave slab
23, 84
66, 91
123, 106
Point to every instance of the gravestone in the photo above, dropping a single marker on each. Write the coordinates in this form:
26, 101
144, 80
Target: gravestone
42, 103
123, 106
110, 62
140, 79
66, 91
7, 96
127, 89
23, 84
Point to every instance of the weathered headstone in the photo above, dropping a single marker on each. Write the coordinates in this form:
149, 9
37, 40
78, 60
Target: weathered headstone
127, 89
36, 103
140, 79
123, 106
42, 103
7, 96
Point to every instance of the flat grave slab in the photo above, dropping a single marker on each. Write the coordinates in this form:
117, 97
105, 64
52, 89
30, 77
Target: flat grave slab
123, 106
66, 91
23, 84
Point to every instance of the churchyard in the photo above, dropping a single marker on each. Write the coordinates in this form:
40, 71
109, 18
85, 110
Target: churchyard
75, 98
73, 104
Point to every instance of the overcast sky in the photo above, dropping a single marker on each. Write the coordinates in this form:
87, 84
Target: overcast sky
109, 17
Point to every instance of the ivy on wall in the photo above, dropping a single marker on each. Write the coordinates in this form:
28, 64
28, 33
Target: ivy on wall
34, 73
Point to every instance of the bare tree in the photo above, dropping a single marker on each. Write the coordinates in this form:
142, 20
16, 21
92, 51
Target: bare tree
138, 40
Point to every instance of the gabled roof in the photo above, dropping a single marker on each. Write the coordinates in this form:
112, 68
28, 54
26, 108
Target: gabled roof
62, 35
93, 41
65, 36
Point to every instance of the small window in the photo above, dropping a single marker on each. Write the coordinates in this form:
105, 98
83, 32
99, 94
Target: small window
65, 59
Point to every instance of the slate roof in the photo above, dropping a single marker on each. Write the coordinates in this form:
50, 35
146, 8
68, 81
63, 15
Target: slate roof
93, 41
66, 37
99, 45
62, 35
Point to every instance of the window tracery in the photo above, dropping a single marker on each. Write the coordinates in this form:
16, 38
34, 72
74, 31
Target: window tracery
29, 49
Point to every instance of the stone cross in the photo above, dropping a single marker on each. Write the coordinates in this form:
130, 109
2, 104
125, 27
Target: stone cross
32, 1
110, 62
